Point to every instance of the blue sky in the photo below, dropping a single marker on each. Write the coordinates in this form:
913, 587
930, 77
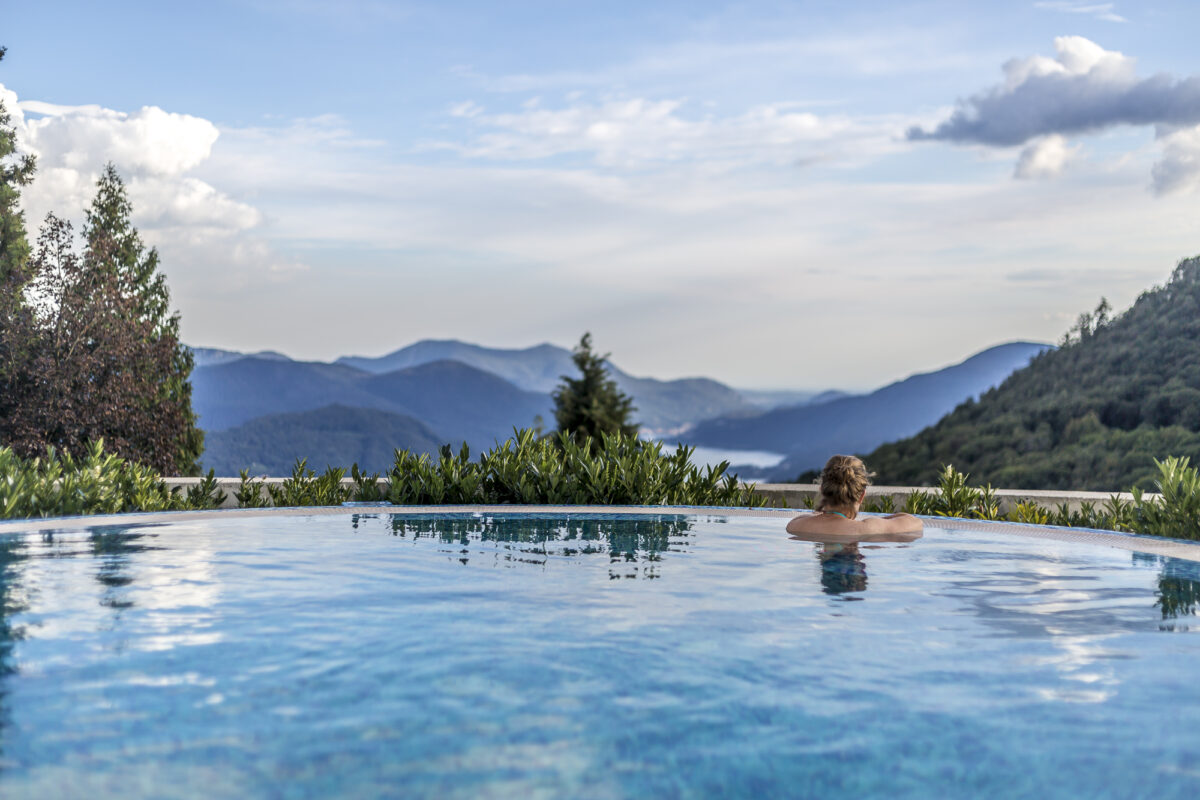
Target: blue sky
772, 194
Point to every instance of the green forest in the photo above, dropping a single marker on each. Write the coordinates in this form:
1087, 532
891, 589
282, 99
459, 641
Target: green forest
1091, 415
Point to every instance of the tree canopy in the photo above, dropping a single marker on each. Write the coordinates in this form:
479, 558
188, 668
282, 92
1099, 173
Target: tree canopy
89, 349
16, 170
590, 404
1092, 414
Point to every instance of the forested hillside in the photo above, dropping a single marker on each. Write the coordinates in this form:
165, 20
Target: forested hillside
809, 434
1089, 416
335, 436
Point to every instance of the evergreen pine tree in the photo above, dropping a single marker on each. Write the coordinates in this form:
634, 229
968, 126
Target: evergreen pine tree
16, 170
114, 248
592, 403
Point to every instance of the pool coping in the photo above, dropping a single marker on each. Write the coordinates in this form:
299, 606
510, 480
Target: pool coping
1173, 548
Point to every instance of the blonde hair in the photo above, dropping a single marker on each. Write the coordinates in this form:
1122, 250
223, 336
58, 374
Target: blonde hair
843, 481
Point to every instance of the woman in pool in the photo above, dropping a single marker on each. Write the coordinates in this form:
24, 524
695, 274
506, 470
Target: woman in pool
844, 484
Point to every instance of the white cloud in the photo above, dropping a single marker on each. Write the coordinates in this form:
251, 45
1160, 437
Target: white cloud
191, 221
1084, 89
1179, 169
746, 65
513, 254
1044, 157
637, 131
1102, 11
150, 141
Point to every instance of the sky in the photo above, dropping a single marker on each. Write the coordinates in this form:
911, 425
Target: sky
798, 195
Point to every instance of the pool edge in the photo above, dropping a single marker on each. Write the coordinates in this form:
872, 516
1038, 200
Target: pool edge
1173, 548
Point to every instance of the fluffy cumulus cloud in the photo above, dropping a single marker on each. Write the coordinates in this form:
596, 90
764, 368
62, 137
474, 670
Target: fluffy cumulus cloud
637, 131
1044, 157
156, 152
1083, 89
1179, 169
150, 141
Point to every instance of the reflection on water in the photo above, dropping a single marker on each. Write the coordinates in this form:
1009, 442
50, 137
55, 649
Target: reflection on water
13, 600
843, 569
1178, 591
112, 546
634, 545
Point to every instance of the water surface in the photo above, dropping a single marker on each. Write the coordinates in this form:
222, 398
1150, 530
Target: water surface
668, 656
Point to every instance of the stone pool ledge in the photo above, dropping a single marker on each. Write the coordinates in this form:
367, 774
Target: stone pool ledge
1173, 548
794, 495
778, 495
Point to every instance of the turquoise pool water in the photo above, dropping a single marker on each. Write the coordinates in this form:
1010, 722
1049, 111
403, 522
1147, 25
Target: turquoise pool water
588, 656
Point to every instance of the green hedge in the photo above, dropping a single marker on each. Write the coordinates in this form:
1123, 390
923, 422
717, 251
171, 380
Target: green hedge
98, 483
1174, 513
610, 470
614, 469
556, 470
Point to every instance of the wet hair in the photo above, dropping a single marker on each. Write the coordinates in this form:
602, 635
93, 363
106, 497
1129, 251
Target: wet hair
843, 481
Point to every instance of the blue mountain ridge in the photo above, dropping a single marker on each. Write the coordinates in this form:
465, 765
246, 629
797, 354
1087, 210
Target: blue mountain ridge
427, 385
662, 406
809, 434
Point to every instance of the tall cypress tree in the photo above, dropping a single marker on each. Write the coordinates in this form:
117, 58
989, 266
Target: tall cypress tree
16, 170
115, 248
592, 403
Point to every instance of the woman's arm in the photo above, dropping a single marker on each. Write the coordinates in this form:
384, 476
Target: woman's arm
894, 523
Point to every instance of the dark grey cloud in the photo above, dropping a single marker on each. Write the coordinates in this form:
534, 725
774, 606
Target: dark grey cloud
1085, 89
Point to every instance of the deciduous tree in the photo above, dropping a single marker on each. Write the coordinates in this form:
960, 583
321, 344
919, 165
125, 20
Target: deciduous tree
96, 353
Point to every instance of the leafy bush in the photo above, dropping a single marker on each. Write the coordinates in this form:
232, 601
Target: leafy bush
99, 483
954, 498
1176, 511
611, 469
306, 488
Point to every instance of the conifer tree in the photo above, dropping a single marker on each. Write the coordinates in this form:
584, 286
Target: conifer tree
592, 403
115, 249
16, 170
94, 353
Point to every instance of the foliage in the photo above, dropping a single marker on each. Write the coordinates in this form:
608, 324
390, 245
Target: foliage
1094, 414
1176, 511
97, 482
612, 469
954, 498
306, 488
115, 248
250, 493
88, 353
16, 170
591, 404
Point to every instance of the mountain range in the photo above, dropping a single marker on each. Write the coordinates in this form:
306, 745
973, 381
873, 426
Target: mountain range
334, 435
662, 406
259, 408
810, 433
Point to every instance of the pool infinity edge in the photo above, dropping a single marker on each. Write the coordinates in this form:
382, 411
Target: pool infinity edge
1173, 548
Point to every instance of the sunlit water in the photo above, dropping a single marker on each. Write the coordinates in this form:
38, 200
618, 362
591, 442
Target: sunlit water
671, 656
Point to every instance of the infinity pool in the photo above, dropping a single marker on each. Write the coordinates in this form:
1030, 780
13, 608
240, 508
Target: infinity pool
532, 655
